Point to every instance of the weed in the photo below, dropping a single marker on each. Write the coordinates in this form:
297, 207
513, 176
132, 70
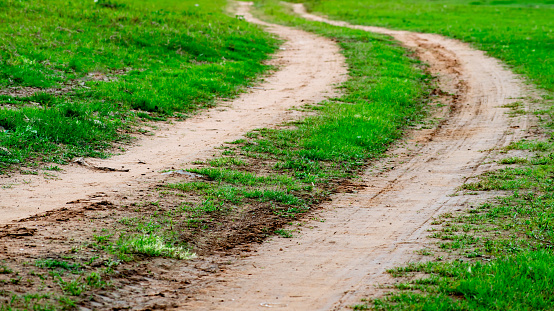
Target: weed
513, 160
54, 264
152, 245
5, 270
102, 238
424, 252
94, 279
284, 233
218, 162
74, 287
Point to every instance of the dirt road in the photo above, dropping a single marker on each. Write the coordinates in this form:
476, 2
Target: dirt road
331, 263
309, 69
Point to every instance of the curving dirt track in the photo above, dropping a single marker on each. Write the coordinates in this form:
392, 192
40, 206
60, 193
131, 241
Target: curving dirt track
331, 265
309, 69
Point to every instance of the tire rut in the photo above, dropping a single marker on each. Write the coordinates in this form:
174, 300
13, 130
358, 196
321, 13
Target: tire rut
309, 67
332, 264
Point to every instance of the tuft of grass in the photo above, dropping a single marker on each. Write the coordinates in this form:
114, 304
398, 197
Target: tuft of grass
218, 162
5, 270
513, 160
95, 280
73, 287
284, 233
520, 282
153, 245
56, 264
37, 301
239, 177
273, 195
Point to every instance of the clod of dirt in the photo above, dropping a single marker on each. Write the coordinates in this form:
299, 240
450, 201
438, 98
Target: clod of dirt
10, 231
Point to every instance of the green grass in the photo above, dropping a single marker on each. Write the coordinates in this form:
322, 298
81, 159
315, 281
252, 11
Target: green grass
90, 70
147, 236
238, 177
520, 282
519, 32
47, 275
284, 233
153, 245
38, 301
56, 264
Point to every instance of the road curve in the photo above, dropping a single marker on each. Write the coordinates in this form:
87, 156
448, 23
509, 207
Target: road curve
310, 67
332, 265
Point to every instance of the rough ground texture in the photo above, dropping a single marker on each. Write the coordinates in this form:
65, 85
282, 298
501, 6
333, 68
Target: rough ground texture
332, 264
309, 65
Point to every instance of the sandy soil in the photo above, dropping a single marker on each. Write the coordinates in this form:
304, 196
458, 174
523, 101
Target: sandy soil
309, 68
331, 264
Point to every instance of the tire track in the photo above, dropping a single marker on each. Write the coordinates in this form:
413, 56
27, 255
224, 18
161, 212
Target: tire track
309, 68
330, 266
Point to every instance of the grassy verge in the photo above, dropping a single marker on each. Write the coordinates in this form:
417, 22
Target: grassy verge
250, 191
499, 253
519, 32
77, 76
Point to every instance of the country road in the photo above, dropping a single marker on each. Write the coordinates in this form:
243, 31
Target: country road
331, 266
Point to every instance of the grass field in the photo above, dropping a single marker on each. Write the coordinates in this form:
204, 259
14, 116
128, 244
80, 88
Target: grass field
77, 76
519, 32
499, 254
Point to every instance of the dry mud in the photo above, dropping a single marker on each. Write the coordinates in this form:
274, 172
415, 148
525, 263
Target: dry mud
331, 264
309, 69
